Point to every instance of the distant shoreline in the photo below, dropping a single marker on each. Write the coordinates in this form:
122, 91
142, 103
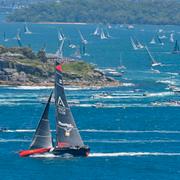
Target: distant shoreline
49, 22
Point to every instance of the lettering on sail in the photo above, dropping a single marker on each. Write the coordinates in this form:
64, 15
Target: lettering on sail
67, 128
61, 107
60, 81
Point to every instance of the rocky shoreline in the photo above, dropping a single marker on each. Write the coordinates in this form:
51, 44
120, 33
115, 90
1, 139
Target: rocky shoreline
18, 69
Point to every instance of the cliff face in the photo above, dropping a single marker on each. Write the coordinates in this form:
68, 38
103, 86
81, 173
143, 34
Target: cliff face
16, 68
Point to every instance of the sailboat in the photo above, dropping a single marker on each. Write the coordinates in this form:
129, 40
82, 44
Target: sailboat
171, 39
121, 67
176, 49
153, 41
138, 44
154, 62
26, 29
97, 31
18, 38
77, 53
83, 40
59, 52
102, 35
5, 39
68, 139
160, 42
60, 37
133, 44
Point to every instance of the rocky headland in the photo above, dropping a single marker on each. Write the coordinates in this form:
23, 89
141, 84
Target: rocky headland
21, 66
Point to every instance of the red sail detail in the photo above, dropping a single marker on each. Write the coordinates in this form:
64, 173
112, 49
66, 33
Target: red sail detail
29, 152
59, 67
63, 144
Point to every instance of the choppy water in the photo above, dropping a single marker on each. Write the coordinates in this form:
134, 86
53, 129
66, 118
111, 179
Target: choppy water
135, 135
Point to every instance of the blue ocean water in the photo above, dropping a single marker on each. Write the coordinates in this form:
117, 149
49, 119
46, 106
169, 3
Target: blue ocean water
135, 135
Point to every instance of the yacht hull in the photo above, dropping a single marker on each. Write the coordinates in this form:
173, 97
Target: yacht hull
74, 151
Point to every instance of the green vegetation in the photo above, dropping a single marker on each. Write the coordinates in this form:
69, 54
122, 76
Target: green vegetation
103, 11
27, 59
78, 67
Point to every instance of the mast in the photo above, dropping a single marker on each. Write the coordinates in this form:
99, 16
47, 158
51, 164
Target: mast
59, 52
176, 48
18, 38
83, 41
67, 134
60, 36
5, 39
96, 32
150, 55
26, 29
160, 42
42, 137
133, 44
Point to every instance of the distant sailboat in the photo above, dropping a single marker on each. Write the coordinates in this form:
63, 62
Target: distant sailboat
77, 53
70, 44
68, 139
162, 37
83, 40
130, 26
97, 31
18, 38
153, 41
160, 42
59, 52
121, 66
102, 35
171, 39
26, 29
107, 34
133, 44
176, 49
138, 44
153, 61
5, 39
60, 36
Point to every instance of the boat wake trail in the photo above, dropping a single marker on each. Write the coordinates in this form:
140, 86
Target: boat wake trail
13, 140
100, 131
129, 131
116, 154
113, 154
124, 141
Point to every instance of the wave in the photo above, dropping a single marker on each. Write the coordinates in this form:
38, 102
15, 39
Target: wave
46, 155
100, 131
129, 131
110, 154
128, 84
116, 154
124, 141
166, 82
20, 130
30, 87
13, 140
159, 94
71, 88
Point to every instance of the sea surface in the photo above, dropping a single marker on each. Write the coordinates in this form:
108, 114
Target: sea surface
133, 134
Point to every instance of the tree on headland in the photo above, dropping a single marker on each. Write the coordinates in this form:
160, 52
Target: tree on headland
42, 55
